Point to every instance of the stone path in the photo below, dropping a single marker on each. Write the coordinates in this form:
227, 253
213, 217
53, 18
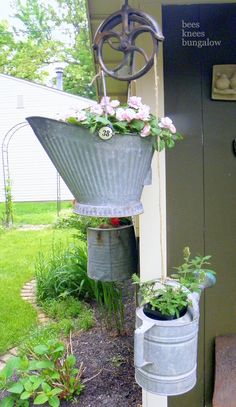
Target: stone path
28, 293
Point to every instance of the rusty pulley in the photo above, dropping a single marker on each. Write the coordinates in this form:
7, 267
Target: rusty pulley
131, 24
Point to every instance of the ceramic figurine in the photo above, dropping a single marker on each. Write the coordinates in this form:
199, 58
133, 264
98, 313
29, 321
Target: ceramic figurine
222, 82
233, 81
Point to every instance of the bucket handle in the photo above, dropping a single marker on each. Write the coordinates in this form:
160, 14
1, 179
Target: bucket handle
139, 360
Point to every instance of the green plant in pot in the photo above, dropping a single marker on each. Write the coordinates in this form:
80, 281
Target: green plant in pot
170, 299
194, 272
162, 301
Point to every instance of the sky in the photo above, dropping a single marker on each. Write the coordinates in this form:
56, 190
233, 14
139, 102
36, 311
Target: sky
5, 9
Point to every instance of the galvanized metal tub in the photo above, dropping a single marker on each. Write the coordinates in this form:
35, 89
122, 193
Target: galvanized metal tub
105, 177
166, 352
112, 253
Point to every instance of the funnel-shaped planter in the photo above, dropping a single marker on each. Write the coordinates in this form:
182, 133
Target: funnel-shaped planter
166, 352
105, 177
112, 253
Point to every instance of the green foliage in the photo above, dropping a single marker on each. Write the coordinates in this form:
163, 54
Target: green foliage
8, 216
69, 309
64, 308
49, 34
47, 374
64, 274
192, 272
167, 299
117, 360
109, 296
7, 45
67, 315
83, 222
78, 222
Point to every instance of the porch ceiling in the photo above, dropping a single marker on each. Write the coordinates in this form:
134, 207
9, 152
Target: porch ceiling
99, 10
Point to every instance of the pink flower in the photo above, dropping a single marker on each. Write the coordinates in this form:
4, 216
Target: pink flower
109, 109
120, 114
80, 116
108, 105
125, 114
146, 130
172, 129
135, 102
114, 103
167, 123
96, 109
143, 113
105, 101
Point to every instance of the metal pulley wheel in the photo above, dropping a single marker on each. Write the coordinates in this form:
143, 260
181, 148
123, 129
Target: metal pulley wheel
131, 24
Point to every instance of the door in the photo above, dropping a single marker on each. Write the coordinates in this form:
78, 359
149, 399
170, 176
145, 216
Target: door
201, 170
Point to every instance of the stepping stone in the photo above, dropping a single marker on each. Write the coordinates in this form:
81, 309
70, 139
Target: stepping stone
13, 351
225, 372
6, 357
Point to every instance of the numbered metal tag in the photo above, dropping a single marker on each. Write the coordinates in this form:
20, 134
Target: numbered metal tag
105, 133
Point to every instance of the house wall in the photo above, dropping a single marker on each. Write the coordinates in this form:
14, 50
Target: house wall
33, 176
150, 222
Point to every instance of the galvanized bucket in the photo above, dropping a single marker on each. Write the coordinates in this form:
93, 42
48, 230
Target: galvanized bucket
105, 177
166, 352
112, 253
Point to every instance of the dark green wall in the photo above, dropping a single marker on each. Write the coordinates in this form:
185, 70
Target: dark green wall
201, 170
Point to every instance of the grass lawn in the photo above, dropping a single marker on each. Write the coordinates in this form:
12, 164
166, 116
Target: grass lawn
35, 213
18, 253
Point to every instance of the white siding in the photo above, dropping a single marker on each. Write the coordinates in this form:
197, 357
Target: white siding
32, 174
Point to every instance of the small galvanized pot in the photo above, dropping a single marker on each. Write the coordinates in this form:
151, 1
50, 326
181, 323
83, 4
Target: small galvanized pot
106, 177
112, 253
166, 352
156, 314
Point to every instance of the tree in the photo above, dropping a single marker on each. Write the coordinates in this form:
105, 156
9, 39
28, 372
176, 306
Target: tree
49, 33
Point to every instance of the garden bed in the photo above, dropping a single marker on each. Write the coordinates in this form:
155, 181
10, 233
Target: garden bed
109, 360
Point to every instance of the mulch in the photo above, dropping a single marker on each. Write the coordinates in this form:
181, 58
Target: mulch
108, 362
